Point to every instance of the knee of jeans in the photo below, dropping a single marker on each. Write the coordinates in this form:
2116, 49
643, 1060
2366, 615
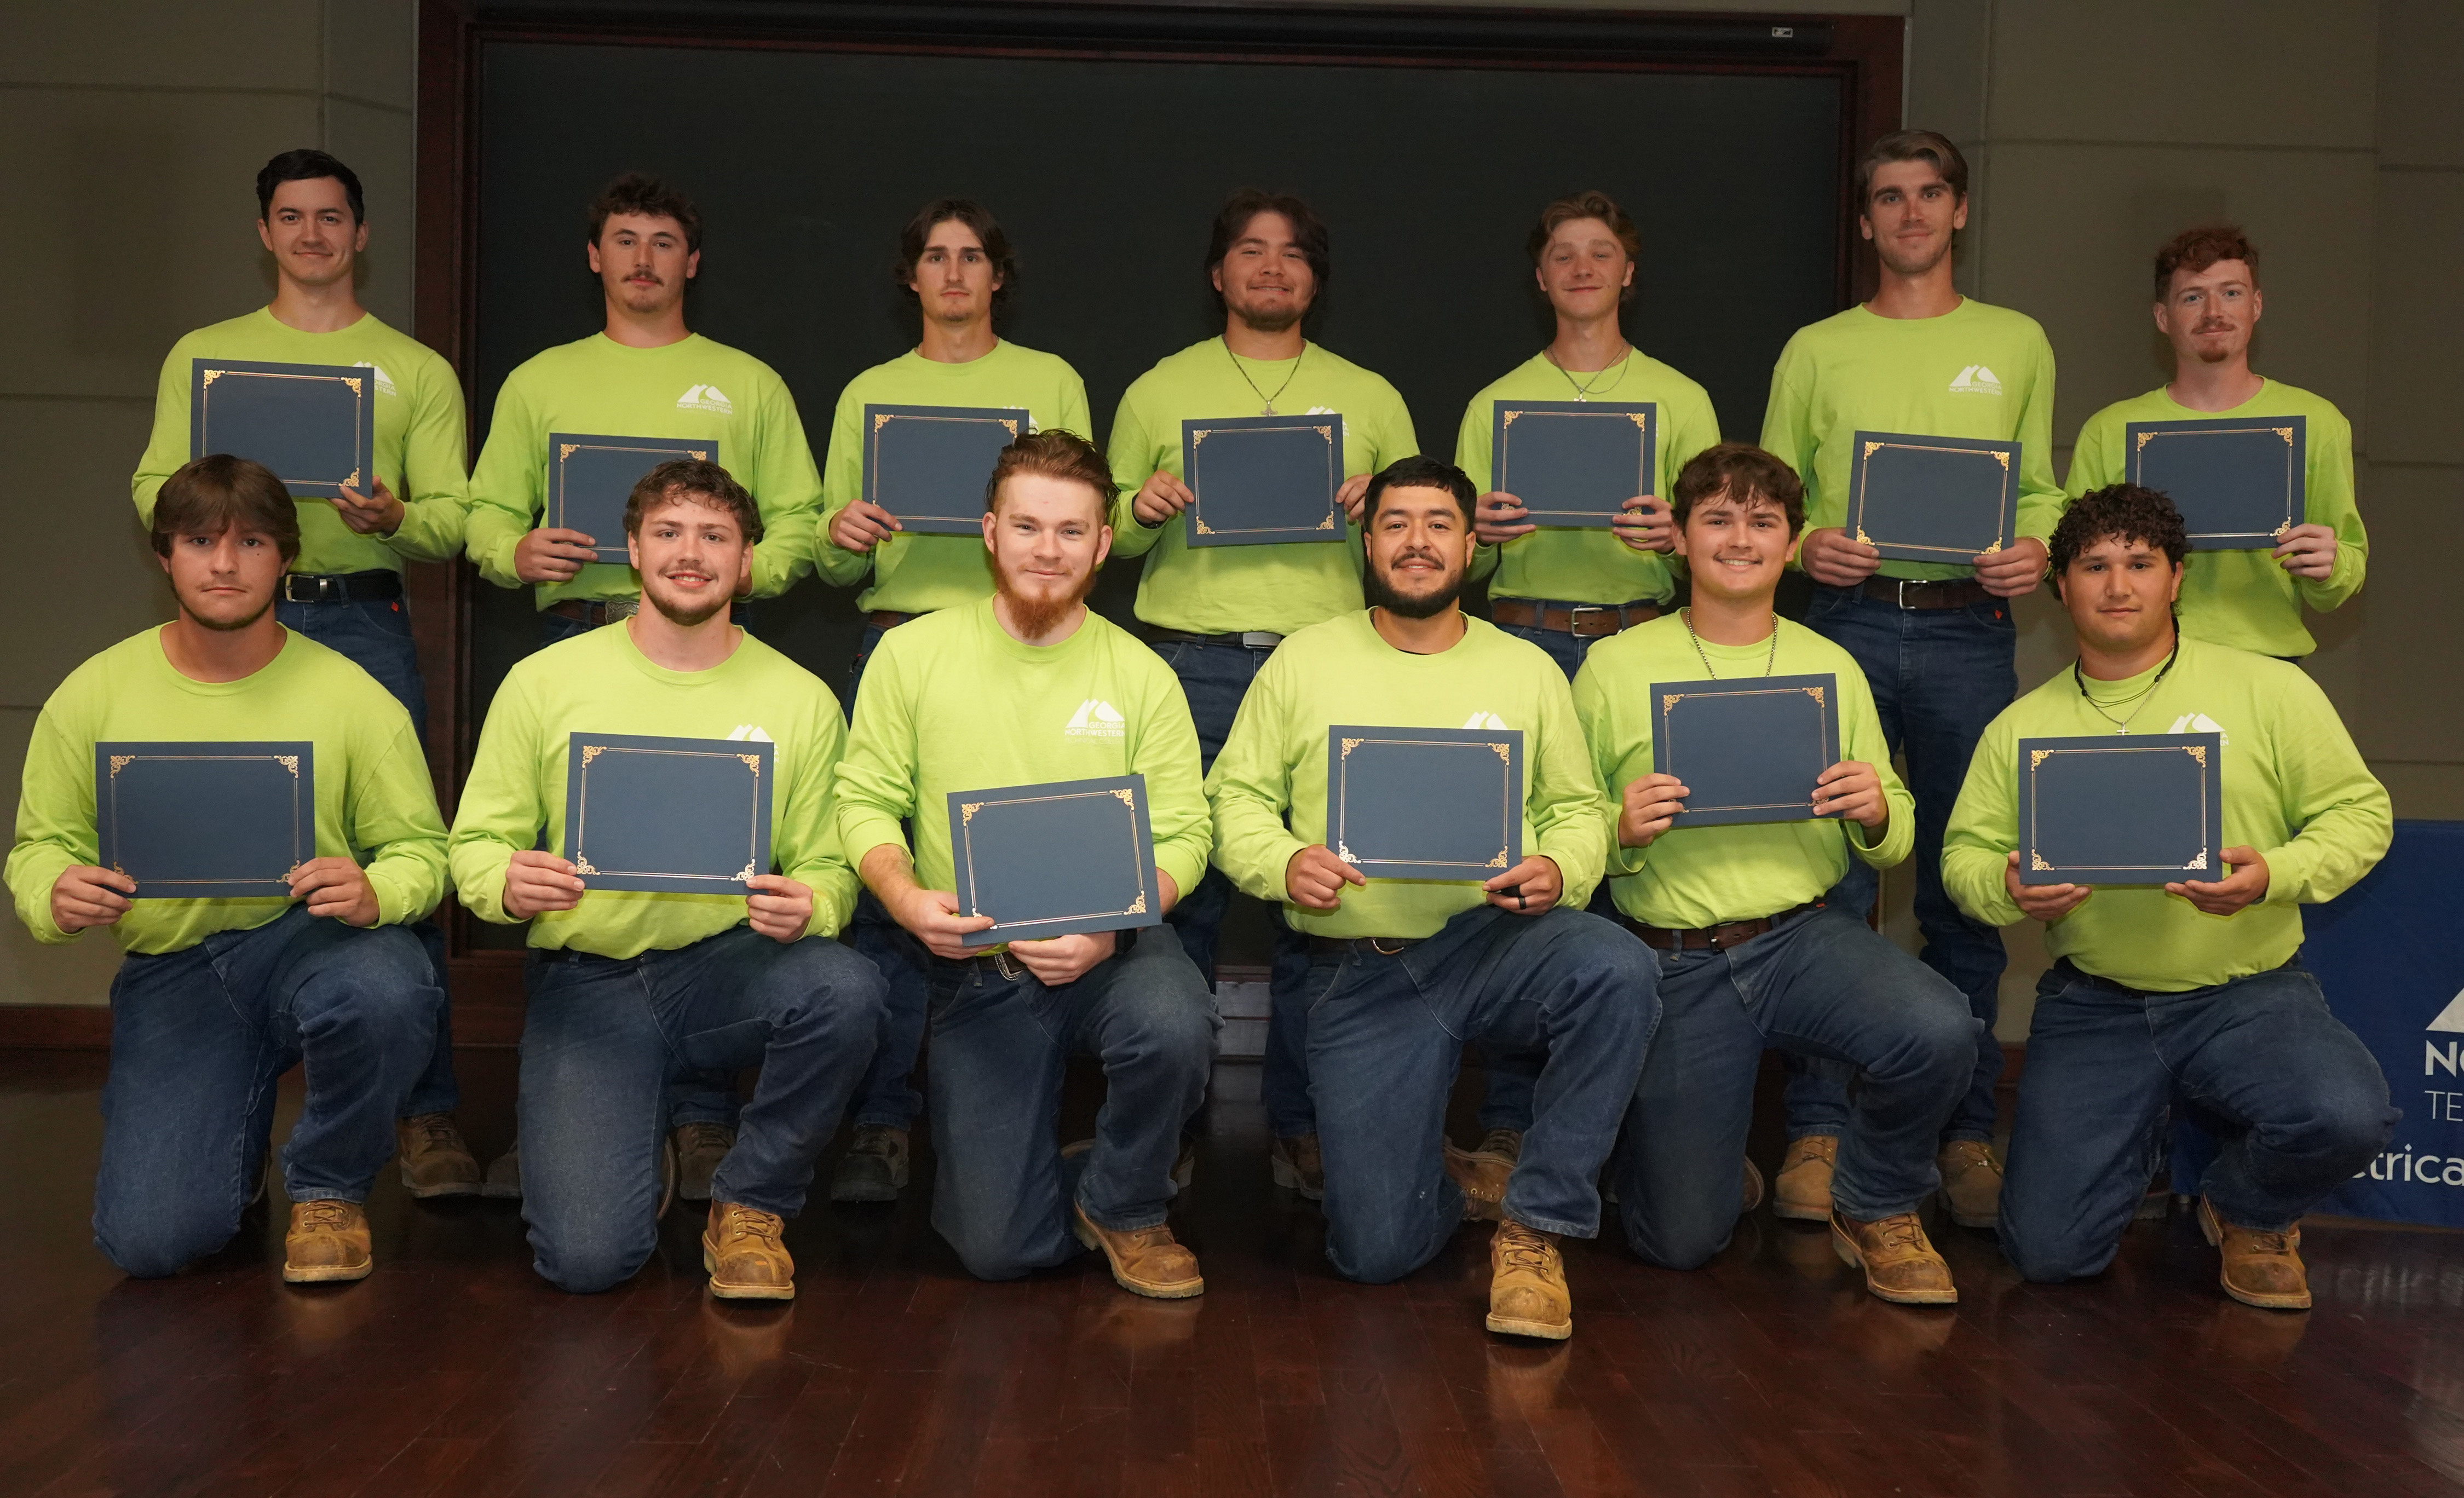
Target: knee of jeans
161, 1239
834, 986
2352, 1122
2049, 1258
587, 1267
1372, 1259
1687, 1245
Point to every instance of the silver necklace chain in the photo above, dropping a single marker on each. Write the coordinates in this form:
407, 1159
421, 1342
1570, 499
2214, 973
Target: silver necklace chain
1268, 400
1688, 615
1583, 393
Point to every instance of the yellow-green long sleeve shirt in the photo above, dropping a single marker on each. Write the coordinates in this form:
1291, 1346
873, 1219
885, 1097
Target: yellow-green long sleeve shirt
1978, 370
421, 450
694, 387
2246, 599
953, 702
374, 800
2295, 789
1268, 785
1691, 878
915, 574
1579, 564
1278, 589
601, 683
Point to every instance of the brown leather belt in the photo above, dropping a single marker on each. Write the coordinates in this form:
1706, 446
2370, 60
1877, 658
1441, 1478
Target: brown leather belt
887, 618
595, 612
1583, 621
1713, 938
1924, 593
1361, 946
1252, 640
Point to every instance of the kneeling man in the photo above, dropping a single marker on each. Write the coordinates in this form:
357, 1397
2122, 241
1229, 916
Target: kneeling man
2192, 989
1022, 688
629, 990
1404, 972
217, 997
1749, 955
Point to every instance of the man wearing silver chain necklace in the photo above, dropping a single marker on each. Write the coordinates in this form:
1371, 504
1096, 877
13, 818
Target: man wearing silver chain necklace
2193, 989
1216, 613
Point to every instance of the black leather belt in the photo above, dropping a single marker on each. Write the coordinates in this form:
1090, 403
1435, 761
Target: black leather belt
1361, 946
1583, 621
1713, 938
1252, 640
374, 587
1922, 592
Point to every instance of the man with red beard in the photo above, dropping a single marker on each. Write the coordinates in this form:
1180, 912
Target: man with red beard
1077, 697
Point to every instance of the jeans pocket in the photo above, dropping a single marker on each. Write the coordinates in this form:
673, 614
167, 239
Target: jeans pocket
1324, 978
387, 618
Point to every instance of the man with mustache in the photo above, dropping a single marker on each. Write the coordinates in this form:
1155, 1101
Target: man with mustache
1401, 973
2208, 306
1216, 613
1022, 688
629, 991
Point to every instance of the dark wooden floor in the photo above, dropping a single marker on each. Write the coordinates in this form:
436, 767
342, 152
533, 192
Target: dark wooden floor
455, 1371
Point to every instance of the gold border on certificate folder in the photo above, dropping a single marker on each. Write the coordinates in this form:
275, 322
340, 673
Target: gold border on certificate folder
566, 449
1334, 478
581, 815
1666, 735
356, 384
1509, 796
1864, 498
2037, 757
872, 447
290, 762
1127, 797
1506, 418
2138, 458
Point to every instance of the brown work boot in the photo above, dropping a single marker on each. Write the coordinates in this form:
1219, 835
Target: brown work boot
435, 1160
328, 1240
1146, 1260
875, 1166
1505, 1146
1297, 1166
741, 1250
1527, 1285
2260, 1269
504, 1182
699, 1148
1899, 1261
1803, 1190
1750, 1196
1483, 1179
1971, 1182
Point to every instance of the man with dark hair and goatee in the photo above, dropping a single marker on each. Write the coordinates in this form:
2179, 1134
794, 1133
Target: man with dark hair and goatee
1402, 972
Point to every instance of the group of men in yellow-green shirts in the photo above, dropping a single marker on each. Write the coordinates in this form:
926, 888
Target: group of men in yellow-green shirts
1622, 1032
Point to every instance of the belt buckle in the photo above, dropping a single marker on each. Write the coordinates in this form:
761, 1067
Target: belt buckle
1008, 967
1258, 640
1575, 615
290, 597
1900, 592
1377, 944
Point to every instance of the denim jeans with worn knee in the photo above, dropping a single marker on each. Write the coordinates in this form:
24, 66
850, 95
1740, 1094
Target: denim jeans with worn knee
1385, 1034
605, 1036
1000, 1048
198, 1038
2301, 1101
1821, 984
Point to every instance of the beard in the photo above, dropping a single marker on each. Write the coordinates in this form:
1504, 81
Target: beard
684, 617
1381, 594
228, 625
1270, 320
1037, 615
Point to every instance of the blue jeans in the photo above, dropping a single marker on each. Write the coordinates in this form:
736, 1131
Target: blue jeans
2302, 1098
603, 1038
1566, 649
1823, 984
1000, 1047
887, 1096
1386, 1032
198, 1038
1938, 675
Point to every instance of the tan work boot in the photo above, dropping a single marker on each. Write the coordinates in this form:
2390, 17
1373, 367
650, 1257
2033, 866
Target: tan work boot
875, 1166
1146, 1260
741, 1250
435, 1160
1297, 1166
1971, 1182
699, 1148
1483, 1179
1527, 1285
504, 1182
328, 1240
1803, 1190
2262, 1269
1750, 1196
1505, 1146
1899, 1261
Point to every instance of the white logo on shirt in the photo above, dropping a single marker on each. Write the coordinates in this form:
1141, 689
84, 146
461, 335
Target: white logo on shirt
1488, 720
2200, 723
384, 383
751, 734
1095, 718
706, 398
1975, 379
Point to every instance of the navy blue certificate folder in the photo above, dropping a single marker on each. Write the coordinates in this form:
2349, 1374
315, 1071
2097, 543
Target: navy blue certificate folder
1919, 498
2238, 483
1263, 478
314, 425
928, 465
590, 477
1573, 462
1425, 802
1056, 859
2122, 809
667, 816
204, 820
1748, 750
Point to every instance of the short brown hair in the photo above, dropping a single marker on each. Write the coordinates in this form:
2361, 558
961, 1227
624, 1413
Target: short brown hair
1308, 232
987, 229
2124, 512
1911, 145
638, 192
2195, 250
1743, 471
218, 493
1054, 454
692, 482
1588, 204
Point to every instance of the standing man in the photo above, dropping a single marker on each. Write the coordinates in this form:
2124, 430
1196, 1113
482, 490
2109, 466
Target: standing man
1935, 639
1402, 972
997, 693
630, 992
954, 259
2208, 305
2193, 988
1218, 612
344, 586
217, 997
